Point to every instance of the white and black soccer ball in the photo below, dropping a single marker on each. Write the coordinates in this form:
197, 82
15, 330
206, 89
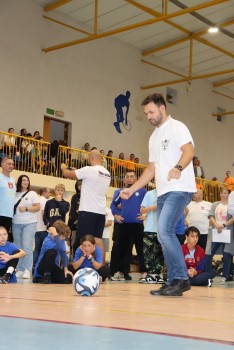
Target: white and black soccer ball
86, 281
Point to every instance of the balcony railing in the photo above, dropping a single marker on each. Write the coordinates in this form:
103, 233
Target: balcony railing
36, 156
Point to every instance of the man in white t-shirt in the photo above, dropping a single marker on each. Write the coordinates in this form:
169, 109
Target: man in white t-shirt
7, 195
92, 209
41, 232
197, 216
171, 151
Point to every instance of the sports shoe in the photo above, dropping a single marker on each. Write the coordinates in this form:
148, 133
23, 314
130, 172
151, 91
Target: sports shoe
151, 279
142, 278
209, 283
223, 280
127, 277
26, 274
5, 278
229, 278
47, 279
19, 274
118, 276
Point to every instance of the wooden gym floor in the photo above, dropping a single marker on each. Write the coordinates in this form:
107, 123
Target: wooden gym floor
120, 316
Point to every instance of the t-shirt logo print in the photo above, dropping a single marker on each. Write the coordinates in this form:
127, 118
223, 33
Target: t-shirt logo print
165, 144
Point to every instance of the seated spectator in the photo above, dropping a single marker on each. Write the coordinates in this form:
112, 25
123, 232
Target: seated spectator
120, 169
36, 134
130, 165
194, 257
229, 181
56, 208
90, 255
9, 257
48, 268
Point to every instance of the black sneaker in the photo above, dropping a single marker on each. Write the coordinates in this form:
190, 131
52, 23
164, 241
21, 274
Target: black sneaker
177, 288
38, 280
159, 291
5, 278
127, 277
47, 279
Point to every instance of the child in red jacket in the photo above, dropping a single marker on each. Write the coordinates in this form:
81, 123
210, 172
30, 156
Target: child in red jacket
194, 257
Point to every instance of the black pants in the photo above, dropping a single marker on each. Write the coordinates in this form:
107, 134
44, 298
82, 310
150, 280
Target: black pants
11, 263
6, 222
202, 241
114, 260
130, 234
48, 265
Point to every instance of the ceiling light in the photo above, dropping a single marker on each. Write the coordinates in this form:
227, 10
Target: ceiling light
213, 29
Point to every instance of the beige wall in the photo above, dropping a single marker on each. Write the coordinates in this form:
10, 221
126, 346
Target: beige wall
83, 81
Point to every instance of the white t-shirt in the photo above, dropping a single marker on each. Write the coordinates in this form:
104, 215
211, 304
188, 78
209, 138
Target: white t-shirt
165, 152
95, 182
26, 217
106, 231
40, 223
198, 215
231, 203
221, 213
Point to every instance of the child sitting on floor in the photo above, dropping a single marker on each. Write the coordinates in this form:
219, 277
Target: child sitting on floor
9, 257
194, 257
89, 255
48, 269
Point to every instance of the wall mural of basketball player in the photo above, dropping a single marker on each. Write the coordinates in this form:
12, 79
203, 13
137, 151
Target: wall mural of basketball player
122, 105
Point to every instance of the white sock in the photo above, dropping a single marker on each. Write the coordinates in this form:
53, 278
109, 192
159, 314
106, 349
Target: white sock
10, 270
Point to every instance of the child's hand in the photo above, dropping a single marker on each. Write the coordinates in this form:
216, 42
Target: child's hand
4, 257
84, 253
52, 231
67, 272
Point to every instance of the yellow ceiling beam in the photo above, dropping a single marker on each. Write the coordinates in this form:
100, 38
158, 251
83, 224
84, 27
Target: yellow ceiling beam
222, 114
196, 77
157, 14
195, 36
163, 68
191, 58
133, 26
95, 29
56, 5
220, 93
224, 82
66, 25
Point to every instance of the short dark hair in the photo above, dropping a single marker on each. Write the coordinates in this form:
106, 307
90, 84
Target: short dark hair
19, 183
43, 190
157, 99
192, 229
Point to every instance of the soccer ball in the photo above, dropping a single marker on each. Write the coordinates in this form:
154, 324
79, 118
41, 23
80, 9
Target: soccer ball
86, 281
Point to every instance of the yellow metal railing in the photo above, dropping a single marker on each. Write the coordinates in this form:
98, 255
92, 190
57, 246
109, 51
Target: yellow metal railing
42, 157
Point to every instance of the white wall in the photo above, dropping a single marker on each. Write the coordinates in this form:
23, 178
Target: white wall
83, 81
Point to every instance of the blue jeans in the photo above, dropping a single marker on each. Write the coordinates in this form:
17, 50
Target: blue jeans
24, 238
170, 208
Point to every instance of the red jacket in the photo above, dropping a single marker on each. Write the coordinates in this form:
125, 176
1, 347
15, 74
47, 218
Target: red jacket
199, 257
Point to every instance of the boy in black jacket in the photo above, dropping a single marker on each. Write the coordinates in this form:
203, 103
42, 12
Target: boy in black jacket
56, 208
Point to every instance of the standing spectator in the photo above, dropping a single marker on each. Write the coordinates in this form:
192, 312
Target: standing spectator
197, 215
73, 214
131, 229
171, 152
41, 230
25, 224
56, 208
104, 162
220, 220
84, 156
95, 182
9, 142
7, 195
106, 231
229, 181
153, 255
198, 169
120, 169
130, 165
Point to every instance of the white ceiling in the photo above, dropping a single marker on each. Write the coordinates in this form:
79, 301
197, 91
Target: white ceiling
211, 53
